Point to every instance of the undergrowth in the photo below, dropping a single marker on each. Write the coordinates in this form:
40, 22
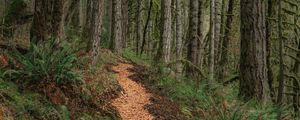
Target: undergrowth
54, 69
24, 105
45, 62
199, 103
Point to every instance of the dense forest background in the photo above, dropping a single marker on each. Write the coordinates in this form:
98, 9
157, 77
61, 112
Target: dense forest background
205, 59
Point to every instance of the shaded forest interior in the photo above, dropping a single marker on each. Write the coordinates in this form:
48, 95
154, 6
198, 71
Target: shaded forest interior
184, 59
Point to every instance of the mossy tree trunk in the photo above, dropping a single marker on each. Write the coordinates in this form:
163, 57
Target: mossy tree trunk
213, 30
179, 35
164, 50
223, 73
253, 58
192, 53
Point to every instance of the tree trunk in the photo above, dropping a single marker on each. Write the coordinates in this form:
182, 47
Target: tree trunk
271, 13
166, 30
296, 88
296, 84
117, 26
212, 42
82, 14
138, 26
47, 20
88, 27
217, 29
97, 29
200, 35
146, 27
281, 79
179, 35
124, 23
149, 38
224, 47
253, 58
192, 54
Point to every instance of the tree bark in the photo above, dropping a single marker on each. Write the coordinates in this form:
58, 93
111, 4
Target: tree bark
117, 26
253, 58
82, 14
271, 13
192, 54
179, 36
217, 28
166, 30
124, 23
281, 78
296, 84
212, 43
138, 26
224, 47
146, 27
200, 36
47, 20
97, 29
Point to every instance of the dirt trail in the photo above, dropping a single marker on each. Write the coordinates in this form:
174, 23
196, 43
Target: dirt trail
131, 103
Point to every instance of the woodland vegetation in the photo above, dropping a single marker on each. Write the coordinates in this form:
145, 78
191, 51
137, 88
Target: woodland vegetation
183, 59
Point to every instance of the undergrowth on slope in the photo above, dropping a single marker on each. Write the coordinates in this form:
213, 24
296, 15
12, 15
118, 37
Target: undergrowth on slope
24, 105
199, 103
45, 62
222, 103
40, 84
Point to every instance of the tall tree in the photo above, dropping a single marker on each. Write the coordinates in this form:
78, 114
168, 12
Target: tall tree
217, 28
146, 26
296, 88
116, 31
82, 14
212, 42
271, 13
193, 37
281, 78
200, 35
47, 20
96, 26
165, 42
225, 42
253, 57
179, 35
138, 26
125, 26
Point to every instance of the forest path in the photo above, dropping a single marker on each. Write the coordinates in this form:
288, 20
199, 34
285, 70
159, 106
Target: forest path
131, 103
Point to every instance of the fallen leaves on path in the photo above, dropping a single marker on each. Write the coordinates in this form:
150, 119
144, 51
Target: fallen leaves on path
135, 97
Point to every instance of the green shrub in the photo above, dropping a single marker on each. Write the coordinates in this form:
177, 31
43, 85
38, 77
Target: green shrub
45, 62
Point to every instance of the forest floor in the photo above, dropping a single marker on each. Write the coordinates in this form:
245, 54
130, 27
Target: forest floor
137, 102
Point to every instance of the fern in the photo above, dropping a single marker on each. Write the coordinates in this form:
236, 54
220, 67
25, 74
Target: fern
44, 62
